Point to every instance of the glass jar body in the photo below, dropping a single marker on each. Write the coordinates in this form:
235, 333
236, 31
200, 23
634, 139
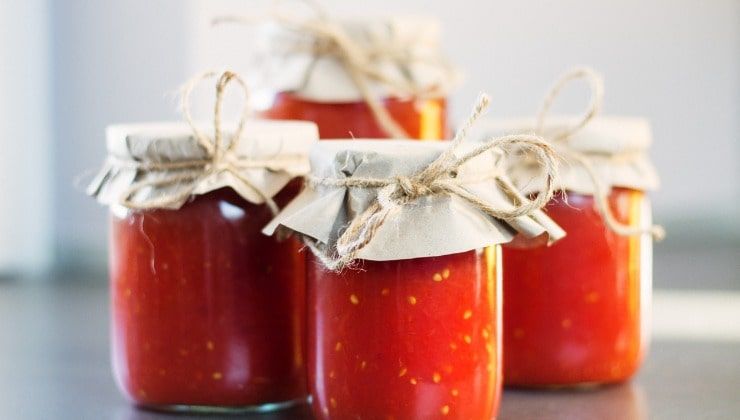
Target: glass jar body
577, 312
424, 119
207, 312
417, 338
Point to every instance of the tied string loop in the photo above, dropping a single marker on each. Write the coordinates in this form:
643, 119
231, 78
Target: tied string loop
220, 155
330, 39
559, 141
440, 177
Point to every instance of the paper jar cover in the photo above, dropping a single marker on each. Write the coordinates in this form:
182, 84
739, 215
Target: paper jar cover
428, 226
282, 146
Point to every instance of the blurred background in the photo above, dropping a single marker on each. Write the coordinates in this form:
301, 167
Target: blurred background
69, 68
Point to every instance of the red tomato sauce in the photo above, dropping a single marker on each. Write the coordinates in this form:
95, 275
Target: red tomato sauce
422, 119
406, 339
572, 313
207, 311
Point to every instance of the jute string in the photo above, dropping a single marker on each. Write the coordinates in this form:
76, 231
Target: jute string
439, 178
220, 155
332, 40
560, 140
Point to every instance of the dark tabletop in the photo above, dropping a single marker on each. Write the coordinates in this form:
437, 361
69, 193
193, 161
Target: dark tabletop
54, 364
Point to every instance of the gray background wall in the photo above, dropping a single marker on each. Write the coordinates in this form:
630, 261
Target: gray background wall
25, 193
676, 62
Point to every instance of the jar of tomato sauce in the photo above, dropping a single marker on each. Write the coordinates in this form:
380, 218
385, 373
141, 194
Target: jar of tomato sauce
372, 78
207, 312
409, 325
577, 312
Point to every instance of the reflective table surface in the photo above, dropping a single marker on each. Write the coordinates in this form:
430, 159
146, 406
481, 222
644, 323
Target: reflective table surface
54, 364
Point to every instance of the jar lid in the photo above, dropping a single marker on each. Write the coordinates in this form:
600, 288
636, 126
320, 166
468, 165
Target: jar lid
610, 135
597, 153
325, 60
615, 146
425, 216
161, 165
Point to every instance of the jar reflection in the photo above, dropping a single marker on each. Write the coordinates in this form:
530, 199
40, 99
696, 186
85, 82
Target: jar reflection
624, 402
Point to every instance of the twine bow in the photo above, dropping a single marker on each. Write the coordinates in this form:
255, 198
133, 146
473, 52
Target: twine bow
559, 140
439, 178
331, 39
220, 155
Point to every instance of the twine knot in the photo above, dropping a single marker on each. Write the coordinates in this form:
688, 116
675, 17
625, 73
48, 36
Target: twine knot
330, 38
435, 179
411, 188
220, 155
596, 84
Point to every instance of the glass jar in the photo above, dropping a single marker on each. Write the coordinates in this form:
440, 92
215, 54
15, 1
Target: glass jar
577, 312
343, 74
208, 314
424, 119
414, 338
207, 311
404, 301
